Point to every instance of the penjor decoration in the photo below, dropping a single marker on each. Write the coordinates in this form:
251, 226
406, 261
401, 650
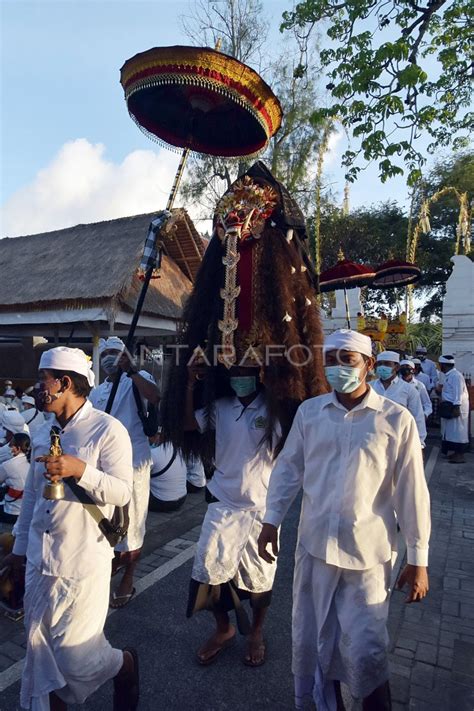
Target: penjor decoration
254, 305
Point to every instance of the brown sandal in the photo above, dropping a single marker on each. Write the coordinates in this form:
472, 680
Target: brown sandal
210, 660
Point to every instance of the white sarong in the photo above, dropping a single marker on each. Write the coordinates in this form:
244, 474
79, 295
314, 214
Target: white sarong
67, 651
339, 629
456, 429
227, 550
137, 510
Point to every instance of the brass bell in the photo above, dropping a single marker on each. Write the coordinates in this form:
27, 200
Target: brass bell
54, 491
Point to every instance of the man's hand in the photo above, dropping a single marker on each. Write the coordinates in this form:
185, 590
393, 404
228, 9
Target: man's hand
269, 534
60, 467
416, 576
124, 362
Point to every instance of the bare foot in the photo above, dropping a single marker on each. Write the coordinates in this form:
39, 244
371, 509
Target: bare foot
255, 654
215, 644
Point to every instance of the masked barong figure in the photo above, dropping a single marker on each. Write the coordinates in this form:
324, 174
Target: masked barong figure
250, 353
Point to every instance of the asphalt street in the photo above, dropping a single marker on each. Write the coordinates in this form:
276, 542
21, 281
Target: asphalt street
171, 679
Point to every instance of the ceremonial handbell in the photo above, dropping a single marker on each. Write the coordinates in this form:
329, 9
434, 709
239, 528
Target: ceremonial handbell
54, 490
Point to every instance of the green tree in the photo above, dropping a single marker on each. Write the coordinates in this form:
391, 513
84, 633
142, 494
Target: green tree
243, 29
397, 72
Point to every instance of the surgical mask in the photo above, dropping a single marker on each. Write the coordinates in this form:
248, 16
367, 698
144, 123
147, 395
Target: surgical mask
384, 372
109, 364
343, 378
243, 385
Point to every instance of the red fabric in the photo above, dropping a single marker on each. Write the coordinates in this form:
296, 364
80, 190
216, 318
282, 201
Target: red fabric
14, 493
245, 281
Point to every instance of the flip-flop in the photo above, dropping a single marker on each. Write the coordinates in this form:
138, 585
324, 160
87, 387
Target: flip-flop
213, 657
248, 661
127, 688
116, 605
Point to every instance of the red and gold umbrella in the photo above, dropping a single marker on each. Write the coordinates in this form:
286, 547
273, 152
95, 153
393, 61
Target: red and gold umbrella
345, 275
200, 99
395, 272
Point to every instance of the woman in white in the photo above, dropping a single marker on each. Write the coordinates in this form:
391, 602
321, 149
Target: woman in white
13, 475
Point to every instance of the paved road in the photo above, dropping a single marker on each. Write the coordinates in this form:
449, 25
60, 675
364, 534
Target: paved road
155, 623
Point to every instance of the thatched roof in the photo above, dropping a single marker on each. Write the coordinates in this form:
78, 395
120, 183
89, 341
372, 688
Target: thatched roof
95, 265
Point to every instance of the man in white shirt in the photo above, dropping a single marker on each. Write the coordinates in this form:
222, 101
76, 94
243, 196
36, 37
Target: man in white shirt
422, 377
133, 385
428, 366
455, 428
68, 557
227, 568
407, 372
390, 385
358, 459
30, 413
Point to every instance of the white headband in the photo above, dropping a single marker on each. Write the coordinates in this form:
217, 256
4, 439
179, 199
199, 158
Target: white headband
112, 343
347, 340
449, 360
63, 358
14, 422
389, 355
28, 400
405, 361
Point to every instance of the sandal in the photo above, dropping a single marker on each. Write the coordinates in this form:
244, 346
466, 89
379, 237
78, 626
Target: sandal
210, 660
127, 686
254, 646
119, 601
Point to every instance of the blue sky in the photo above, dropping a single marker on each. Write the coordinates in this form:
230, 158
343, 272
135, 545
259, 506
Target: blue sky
70, 152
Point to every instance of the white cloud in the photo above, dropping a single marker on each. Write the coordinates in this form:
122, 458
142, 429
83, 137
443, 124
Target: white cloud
80, 185
333, 149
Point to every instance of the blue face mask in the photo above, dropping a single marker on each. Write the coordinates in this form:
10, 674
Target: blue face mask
243, 385
343, 378
384, 372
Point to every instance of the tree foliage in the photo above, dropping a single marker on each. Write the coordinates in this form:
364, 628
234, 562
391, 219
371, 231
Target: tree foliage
243, 29
398, 72
376, 233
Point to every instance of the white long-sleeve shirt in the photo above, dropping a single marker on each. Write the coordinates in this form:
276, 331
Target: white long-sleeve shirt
13, 473
455, 390
59, 537
424, 397
425, 379
429, 368
34, 419
358, 468
406, 395
125, 410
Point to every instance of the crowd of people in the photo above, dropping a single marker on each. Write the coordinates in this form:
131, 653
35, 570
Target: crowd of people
346, 534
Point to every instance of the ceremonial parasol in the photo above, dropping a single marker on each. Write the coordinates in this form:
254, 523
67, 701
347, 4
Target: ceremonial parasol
345, 275
395, 272
197, 99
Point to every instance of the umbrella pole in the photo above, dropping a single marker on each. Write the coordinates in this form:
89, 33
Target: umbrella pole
146, 281
346, 300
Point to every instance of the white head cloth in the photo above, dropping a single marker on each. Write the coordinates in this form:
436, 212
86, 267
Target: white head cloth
8, 382
28, 400
14, 422
9, 391
421, 349
63, 358
405, 361
112, 343
416, 361
449, 359
347, 340
389, 355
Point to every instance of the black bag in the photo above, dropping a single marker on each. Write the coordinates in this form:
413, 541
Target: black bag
446, 410
114, 530
150, 418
